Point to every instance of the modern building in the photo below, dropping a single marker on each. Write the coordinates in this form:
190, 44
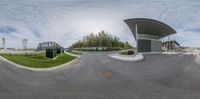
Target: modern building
49, 45
51, 48
148, 33
172, 45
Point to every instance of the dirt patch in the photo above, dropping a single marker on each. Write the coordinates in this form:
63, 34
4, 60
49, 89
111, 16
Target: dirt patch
108, 74
195, 88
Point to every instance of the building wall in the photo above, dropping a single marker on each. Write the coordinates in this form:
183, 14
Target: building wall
156, 46
48, 45
149, 45
144, 45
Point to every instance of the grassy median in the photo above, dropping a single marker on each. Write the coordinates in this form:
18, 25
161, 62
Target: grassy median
38, 60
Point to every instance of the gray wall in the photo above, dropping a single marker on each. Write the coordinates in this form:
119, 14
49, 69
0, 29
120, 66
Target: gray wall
144, 45
156, 46
149, 46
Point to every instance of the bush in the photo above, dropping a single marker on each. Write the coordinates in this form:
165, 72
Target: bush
129, 52
98, 49
112, 49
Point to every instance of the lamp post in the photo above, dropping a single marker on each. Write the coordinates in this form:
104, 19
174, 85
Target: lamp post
4, 44
136, 38
24, 42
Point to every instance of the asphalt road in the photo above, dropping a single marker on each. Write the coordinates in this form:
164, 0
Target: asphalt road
96, 76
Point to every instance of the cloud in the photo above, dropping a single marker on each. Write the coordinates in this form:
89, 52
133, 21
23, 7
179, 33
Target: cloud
188, 38
7, 29
66, 21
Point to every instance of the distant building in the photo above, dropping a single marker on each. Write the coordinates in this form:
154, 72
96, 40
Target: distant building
171, 46
49, 45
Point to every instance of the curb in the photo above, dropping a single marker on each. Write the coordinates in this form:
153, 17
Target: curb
72, 54
137, 57
40, 69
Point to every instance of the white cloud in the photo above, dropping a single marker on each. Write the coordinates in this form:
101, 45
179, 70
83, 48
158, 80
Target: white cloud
67, 21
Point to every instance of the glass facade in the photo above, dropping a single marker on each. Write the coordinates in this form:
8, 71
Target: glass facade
148, 36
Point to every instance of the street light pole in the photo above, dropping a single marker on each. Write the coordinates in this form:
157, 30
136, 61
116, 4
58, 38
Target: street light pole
136, 38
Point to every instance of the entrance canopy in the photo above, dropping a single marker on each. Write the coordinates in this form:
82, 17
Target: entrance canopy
149, 27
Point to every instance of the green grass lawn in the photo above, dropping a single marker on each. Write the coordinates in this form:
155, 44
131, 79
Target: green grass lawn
38, 60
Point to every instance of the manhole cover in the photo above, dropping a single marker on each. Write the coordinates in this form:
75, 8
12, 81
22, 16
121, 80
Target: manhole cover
108, 74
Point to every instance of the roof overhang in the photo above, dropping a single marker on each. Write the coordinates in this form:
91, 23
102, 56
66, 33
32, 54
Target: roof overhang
149, 26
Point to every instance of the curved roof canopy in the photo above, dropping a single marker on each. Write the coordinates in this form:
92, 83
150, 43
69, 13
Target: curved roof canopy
149, 26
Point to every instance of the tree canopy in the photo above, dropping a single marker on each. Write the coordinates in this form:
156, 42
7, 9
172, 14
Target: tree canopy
101, 40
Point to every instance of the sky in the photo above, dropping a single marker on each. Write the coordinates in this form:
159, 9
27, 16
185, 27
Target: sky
67, 21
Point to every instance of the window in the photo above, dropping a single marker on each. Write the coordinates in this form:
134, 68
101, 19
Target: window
148, 36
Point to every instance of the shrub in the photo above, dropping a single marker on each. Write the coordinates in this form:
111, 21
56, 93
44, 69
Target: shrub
129, 52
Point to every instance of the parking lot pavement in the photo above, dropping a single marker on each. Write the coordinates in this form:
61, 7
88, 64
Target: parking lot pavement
97, 76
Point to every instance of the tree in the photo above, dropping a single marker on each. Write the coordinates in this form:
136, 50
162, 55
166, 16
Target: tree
100, 40
126, 45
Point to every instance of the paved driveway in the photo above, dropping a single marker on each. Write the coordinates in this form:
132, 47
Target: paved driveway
96, 76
